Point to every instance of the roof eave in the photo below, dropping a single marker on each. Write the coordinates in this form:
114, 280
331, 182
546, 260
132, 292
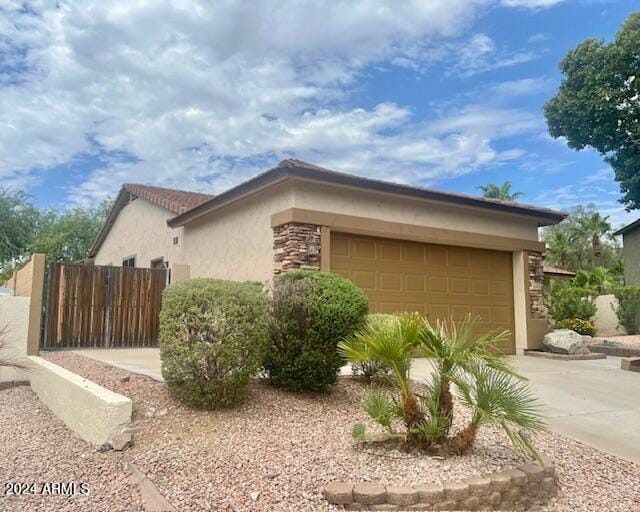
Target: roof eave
543, 217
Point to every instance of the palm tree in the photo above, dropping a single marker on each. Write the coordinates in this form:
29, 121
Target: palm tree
454, 347
500, 399
502, 192
560, 245
594, 226
390, 341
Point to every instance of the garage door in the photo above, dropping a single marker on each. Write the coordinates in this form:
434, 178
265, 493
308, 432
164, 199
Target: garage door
438, 281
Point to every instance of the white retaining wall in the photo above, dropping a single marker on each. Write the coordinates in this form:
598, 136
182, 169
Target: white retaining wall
94, 413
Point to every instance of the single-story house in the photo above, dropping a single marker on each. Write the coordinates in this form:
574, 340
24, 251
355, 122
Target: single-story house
631, 252
410, 249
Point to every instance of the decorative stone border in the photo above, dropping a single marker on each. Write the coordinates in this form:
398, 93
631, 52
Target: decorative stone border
631, 364
515, 489
616, 350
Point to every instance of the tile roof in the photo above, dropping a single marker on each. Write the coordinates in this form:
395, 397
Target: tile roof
176, 201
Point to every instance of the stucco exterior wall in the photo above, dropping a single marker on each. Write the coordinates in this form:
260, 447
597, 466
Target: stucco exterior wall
14, 316
605, 320
95, 413
236, 241
329, 198
141, 229
631, 255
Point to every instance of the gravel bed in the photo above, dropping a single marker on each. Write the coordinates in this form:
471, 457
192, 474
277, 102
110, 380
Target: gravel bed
277, 450
623, 340
36, 447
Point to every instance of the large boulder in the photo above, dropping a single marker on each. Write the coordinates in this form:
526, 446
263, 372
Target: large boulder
565, 341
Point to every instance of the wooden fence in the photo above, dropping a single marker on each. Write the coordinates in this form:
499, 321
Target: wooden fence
102, 307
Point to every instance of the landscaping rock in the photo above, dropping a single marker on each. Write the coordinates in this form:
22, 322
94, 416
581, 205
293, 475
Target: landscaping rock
338, 493
121, 441
456, 490
565, 341
402, 495
479, 486
535, 472
430, 493
370, 494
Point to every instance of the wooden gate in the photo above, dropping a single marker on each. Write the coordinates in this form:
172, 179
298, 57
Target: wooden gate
102, 307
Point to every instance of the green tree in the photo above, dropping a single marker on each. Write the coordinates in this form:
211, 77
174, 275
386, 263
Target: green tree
502, 192
68, 236
18, 223
598, 104
572, 245
594, 226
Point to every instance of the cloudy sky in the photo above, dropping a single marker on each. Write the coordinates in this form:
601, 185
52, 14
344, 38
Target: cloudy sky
202, 95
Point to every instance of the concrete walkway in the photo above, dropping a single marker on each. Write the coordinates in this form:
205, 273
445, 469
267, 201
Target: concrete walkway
145, 361
594, 402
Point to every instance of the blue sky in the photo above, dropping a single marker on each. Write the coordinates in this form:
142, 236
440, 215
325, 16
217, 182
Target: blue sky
201, 96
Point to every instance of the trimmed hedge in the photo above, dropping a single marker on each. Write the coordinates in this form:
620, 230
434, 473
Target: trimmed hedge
212, 339
584, 327
310, 313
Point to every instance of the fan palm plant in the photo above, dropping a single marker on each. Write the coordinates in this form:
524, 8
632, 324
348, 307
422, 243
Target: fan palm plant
390, 341
454, 347
486, 383
499, 399
560, 245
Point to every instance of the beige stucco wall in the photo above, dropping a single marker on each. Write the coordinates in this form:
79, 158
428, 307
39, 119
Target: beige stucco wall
141, 229
631, 255
95, 413
236, 242
605, 320
330, 198
14, 316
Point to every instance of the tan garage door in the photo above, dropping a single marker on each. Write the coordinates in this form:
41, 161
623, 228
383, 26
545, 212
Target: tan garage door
439, 281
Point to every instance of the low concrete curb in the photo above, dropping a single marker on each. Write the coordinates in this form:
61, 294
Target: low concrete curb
564, 357
96, 414
616, 350
526, 486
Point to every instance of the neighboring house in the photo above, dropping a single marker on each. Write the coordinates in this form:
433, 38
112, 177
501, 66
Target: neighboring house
410, 249
631, 252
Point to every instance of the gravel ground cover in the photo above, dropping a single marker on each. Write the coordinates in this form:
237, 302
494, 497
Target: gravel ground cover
277, 450
624, 340
36, 447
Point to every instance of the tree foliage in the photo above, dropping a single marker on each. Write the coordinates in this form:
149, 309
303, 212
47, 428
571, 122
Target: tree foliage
27, 229
583, 241
598, 104
502, 192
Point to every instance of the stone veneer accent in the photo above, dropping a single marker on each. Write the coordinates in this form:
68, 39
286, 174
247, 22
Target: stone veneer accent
291, 245
526, 486
536, 285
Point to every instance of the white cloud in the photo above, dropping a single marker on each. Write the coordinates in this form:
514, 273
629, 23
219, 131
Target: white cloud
531, 4
539, 37
183, 94
523, 87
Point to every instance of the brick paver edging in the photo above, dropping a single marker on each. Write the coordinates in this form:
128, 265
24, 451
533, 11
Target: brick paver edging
515, 489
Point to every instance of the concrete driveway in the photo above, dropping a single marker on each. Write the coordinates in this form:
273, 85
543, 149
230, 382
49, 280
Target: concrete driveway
594, 402
145, 361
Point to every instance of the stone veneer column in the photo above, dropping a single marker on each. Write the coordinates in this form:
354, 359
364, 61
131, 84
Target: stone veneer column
536, 284
296, 246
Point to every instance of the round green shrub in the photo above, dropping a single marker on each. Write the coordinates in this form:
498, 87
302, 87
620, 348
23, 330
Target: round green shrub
568, 302
212, 339
628, 309
310, 313
584, 327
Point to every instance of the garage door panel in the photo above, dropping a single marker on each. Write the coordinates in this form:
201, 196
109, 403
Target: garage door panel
438, 281
459, 285
390, 281
364, 279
